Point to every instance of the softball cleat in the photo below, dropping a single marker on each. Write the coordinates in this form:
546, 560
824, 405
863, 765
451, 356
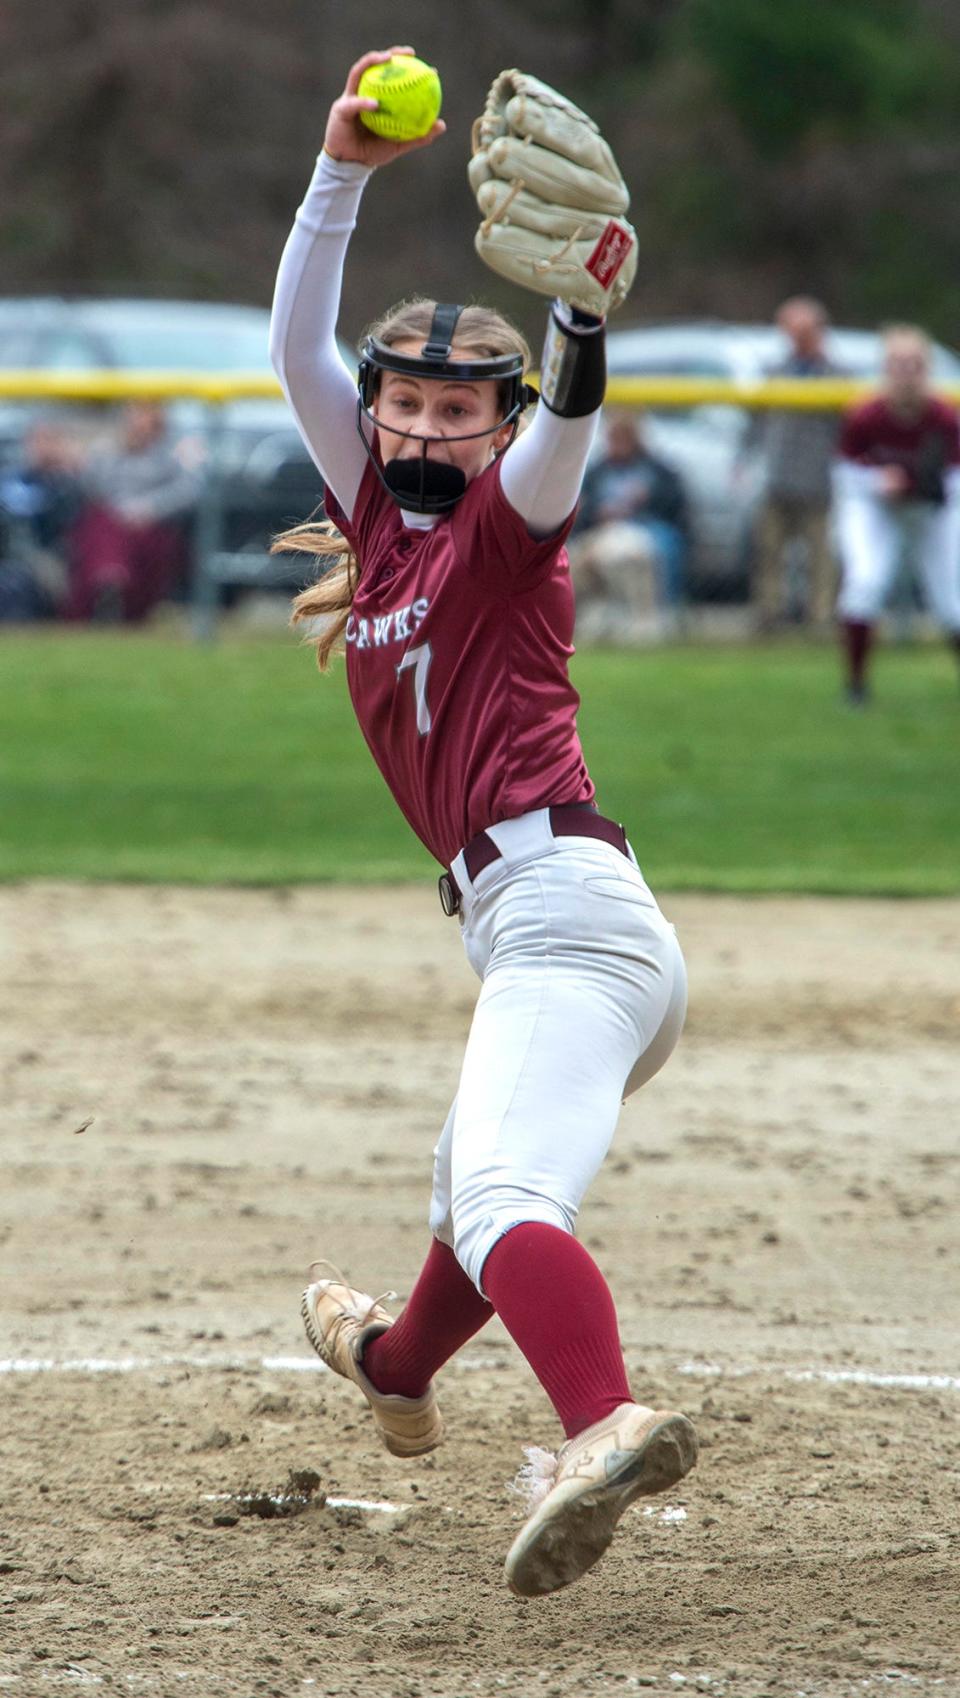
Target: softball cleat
339, 1322
580, 1495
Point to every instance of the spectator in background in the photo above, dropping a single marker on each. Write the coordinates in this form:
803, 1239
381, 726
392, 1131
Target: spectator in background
129, 544
39, 498
629, 555
897, 481
798, 446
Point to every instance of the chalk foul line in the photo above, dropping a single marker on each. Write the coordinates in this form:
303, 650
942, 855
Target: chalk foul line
880, 1378
825, 1376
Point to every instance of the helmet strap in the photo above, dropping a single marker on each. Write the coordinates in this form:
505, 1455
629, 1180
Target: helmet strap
439, 343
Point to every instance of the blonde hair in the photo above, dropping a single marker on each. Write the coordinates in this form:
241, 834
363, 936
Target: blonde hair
482, 332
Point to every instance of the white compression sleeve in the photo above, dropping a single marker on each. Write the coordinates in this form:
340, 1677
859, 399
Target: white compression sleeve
542, 471
303, 347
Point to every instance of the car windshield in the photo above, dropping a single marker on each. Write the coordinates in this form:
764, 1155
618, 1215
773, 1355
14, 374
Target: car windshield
746, 354
198, 340
122, 334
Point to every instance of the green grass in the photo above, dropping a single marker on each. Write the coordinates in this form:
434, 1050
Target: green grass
145, 757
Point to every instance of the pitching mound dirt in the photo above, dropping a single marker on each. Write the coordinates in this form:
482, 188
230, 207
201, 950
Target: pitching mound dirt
204, 1090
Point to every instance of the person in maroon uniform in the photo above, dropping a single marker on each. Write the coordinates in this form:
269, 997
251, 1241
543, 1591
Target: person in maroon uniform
450, 592
897, 483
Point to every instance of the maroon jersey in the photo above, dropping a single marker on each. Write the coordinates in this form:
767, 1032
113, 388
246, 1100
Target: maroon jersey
924, 447
457, 651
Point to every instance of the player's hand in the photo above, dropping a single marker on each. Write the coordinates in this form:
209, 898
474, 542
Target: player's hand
894, 482
347, 138
139, 514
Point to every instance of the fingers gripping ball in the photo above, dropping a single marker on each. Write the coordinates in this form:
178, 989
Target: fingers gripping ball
409, 94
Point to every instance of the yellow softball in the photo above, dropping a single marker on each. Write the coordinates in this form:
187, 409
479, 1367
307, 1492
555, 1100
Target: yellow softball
408, 94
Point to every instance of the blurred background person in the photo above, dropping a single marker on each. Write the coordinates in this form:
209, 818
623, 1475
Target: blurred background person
898, 486
632, 539
129, 544
39, 498
798, 447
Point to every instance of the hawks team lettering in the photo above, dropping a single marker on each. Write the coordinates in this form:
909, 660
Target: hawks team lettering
397, 626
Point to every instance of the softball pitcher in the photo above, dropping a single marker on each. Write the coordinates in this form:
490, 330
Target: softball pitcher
450, 592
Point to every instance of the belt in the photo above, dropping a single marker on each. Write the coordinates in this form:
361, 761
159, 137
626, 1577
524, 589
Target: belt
572, 819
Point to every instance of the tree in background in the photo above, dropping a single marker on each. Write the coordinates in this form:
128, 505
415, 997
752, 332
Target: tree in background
792, 73
160, 146
792, 146
144, 144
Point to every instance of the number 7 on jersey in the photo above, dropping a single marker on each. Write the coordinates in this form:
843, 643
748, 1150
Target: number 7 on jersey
419, 658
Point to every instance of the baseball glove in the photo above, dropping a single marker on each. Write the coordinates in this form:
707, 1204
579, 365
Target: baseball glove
551, 197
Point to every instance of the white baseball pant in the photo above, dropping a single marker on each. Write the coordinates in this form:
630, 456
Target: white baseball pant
870, 535
584, 997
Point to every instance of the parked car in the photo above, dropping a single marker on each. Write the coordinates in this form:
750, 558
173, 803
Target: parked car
269, 480
713, 447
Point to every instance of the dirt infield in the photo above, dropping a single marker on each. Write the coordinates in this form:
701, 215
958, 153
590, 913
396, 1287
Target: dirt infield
265, 1072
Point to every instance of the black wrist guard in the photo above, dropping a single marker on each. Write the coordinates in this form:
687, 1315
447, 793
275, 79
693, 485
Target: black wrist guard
573, 375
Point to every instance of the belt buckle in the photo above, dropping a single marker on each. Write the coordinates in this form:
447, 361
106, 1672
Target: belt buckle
449, 895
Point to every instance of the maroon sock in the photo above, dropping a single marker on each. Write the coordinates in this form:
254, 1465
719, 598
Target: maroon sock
556, 1305
856, 636
443, 1310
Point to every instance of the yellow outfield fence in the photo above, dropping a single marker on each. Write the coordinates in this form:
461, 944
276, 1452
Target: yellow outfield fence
136, 386
808, 393
803, 394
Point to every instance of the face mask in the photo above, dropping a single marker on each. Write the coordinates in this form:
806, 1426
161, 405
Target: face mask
424, 485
